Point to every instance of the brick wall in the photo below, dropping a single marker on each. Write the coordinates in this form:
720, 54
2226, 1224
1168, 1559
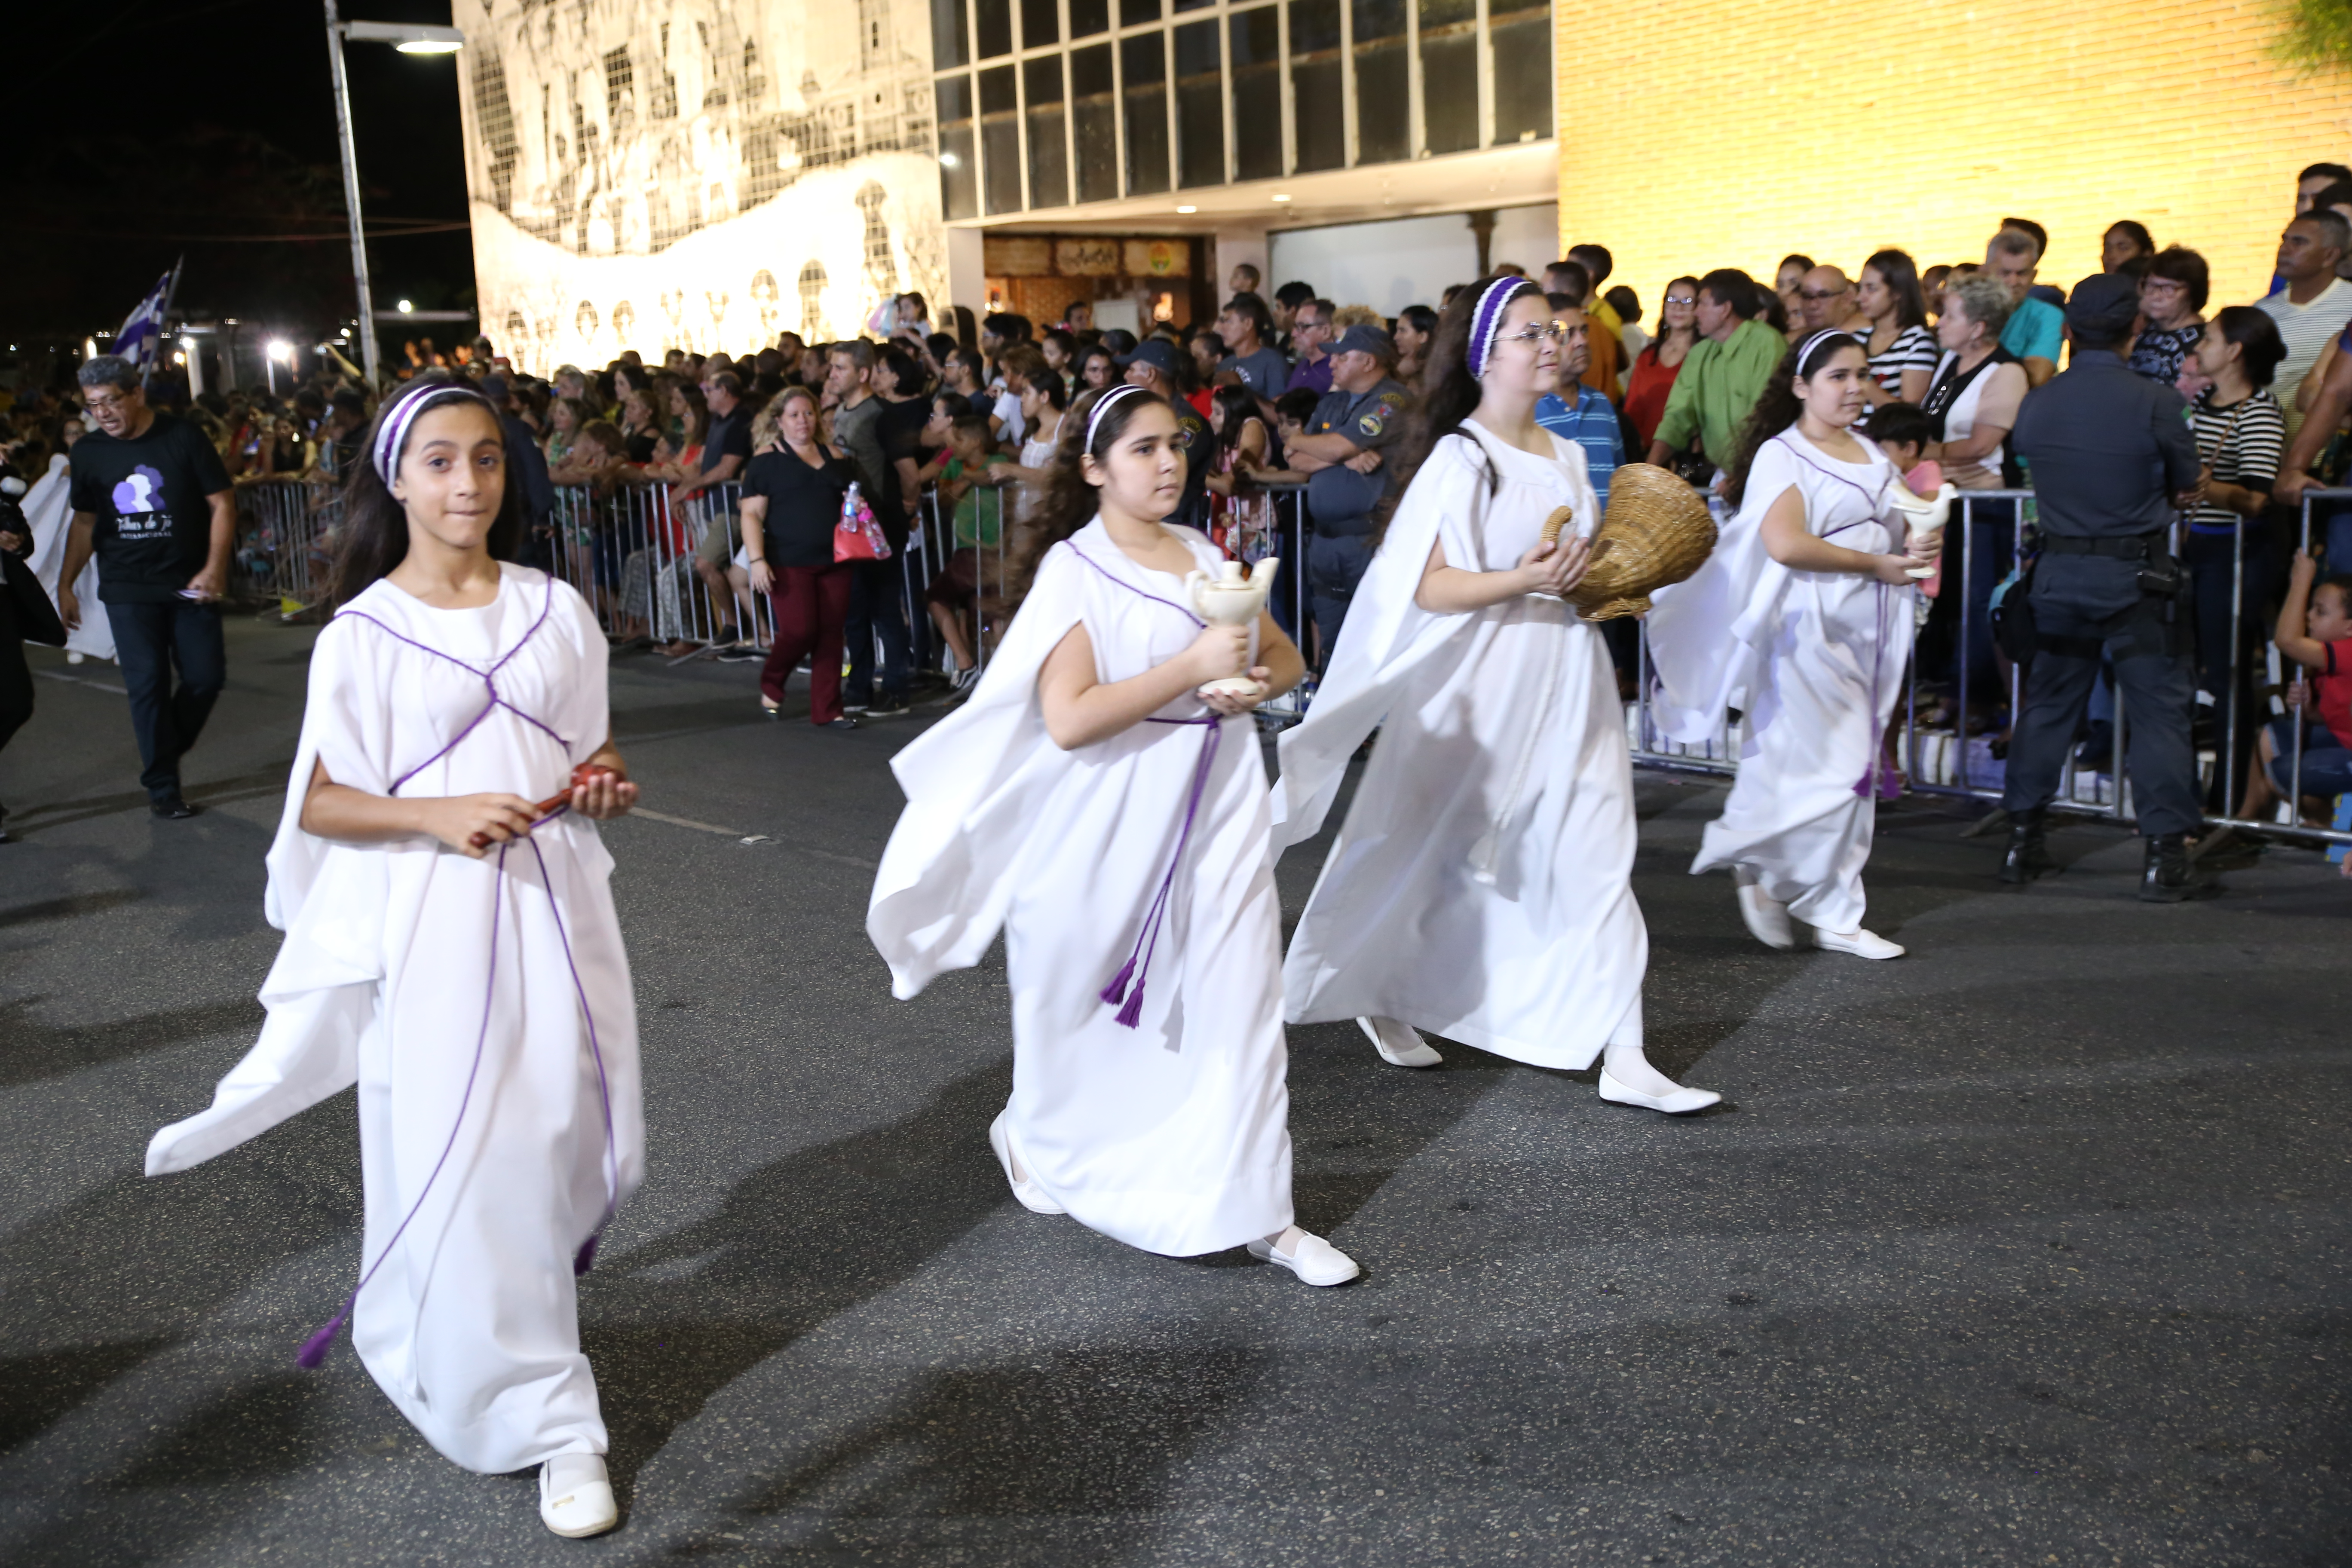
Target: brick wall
1731, 135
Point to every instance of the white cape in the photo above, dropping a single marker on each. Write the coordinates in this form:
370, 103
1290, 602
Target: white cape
398, 959
1481, 887
1173, 1136
1814, 660
48, 507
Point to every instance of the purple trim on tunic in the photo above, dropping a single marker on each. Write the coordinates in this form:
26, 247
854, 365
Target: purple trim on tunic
314, 1350
488, 677
1138, 966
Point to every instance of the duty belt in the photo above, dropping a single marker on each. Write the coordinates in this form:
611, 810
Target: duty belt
2131, 547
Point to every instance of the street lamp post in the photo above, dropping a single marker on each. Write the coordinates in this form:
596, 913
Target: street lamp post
410, 38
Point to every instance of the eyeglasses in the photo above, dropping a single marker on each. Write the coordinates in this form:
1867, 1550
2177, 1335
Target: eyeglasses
1818, 294
1538, 334
1682, 299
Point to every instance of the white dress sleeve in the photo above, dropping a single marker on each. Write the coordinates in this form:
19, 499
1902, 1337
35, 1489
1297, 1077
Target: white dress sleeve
1698, 643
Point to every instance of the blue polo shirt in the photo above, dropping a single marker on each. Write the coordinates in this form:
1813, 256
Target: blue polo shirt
2036, 330
1591, 424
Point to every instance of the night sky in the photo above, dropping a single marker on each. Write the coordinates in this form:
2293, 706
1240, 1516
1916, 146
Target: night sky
143, 129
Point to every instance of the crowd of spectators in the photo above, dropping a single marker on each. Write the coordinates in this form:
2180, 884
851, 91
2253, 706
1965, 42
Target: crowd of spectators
944, 429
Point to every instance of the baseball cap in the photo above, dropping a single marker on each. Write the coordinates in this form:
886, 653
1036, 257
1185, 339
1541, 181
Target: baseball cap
2106, 302
1366, 339
1160, 355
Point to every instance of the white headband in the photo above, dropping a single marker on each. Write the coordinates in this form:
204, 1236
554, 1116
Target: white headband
1805, 351
1102, 405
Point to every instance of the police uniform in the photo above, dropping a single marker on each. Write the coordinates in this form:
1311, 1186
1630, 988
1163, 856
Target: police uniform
1341, 501
2108, 450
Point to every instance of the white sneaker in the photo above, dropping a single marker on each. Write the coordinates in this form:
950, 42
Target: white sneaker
1766, 918
1861, 943
1398, 1043
575, 1496
1315, 1260
1681, 1103
1033, 1196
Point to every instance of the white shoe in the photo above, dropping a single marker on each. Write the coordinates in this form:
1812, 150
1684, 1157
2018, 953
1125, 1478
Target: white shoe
1861, 943
1398, 1043
1033, 1196
1315, 1260
1681, 1103
1766, 918
575, 1496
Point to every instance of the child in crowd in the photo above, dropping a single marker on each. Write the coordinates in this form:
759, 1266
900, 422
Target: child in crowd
2313, 624
969, 467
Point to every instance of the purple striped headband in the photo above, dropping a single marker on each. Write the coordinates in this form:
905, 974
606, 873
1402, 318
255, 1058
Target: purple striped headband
392, 429
1488, 318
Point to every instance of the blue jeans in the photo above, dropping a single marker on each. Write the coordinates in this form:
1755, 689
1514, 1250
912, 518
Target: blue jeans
150, 640
2326, 761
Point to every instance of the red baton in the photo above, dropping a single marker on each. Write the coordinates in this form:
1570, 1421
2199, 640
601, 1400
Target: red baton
586, 772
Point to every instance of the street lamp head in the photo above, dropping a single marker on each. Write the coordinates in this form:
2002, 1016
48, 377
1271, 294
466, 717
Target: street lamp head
408, 37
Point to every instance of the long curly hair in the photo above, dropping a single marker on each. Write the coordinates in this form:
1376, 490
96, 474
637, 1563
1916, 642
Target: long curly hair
1779, 406
1449, 395
1067, 503
373, 537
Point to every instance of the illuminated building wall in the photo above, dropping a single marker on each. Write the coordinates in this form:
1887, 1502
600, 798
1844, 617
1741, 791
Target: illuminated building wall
1731, 135
695, 174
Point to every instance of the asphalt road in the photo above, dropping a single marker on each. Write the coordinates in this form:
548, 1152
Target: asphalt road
2027, 1249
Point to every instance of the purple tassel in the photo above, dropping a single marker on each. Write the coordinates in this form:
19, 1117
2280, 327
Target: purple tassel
1132, 1013
1117, 990
585, 1258
314, 1349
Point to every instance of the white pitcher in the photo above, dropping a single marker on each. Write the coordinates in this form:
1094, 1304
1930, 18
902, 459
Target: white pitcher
1231, 599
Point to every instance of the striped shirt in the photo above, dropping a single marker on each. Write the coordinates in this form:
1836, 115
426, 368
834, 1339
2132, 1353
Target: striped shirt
2243, 445
1914, 348
1591, 424
2306, 328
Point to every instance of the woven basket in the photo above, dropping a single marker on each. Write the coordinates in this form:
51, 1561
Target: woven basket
1655, 533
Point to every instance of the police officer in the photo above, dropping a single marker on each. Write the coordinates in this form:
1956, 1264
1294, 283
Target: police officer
1344, 454
2110, 456
1152, 366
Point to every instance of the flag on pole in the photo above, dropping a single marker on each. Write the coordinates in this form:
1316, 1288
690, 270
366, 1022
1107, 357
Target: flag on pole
142, 330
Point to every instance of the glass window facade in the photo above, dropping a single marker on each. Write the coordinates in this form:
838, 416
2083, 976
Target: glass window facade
1042, 103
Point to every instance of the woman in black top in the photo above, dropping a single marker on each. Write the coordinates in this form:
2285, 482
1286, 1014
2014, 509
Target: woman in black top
791, 503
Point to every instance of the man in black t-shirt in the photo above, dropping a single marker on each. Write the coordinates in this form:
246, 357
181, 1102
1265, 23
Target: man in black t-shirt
151, 497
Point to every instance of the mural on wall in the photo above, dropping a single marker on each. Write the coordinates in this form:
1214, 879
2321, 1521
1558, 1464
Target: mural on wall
646, 173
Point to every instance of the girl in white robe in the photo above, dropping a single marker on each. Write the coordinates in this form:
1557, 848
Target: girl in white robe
1802, 619
1111, 817
455, 955
1481, 885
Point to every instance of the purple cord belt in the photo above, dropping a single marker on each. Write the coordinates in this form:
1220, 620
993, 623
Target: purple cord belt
314, 1350
1147, 940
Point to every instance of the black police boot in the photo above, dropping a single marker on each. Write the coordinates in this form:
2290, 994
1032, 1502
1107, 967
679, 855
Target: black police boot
2169, 875
2028, 857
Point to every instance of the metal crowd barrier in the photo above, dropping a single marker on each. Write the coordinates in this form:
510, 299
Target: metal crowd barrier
1940, 758
285, 540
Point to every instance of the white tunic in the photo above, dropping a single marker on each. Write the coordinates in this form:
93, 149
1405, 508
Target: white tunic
48, 511
1815, 658
408, 966
1481, 889
1173, 1136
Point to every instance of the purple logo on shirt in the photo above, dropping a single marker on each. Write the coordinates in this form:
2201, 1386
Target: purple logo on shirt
142, 492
